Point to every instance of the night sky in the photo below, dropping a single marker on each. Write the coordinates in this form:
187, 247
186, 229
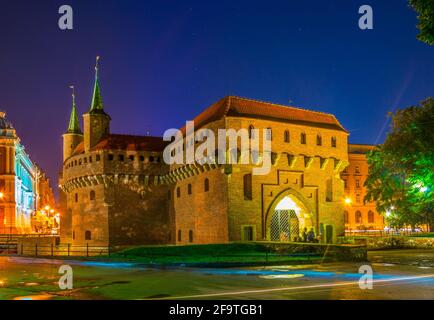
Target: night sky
163, 62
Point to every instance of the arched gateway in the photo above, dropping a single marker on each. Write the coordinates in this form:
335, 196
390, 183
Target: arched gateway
287, 217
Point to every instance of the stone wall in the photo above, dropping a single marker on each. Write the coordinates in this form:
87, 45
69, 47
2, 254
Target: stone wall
382, 243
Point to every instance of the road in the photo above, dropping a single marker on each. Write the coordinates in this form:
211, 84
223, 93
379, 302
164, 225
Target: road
399, 274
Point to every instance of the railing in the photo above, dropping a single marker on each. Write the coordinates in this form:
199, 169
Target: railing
52, 250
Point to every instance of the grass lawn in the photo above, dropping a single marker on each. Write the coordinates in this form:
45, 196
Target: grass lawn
208, 254
423, 235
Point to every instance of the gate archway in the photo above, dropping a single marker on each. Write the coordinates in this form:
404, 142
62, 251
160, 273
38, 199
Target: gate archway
287, 217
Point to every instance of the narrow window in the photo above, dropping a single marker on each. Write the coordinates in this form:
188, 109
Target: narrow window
371, 218
76, 197
286, 136
248, 187
357, 183
189, 188
131, 157
98, 157
92, 195
303, 138
329, 190
358, 217
206, 185
73, 234
190, 236
90, 159
346, 217
248, 233
358, 198
178, 192
142, 158
333, 142
110, 157
121, 157
179, 235
87, 235
318, 140
251, 132
151, 159
357, 169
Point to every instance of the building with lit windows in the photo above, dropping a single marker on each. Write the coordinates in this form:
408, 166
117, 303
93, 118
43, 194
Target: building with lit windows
359, 216
19, 183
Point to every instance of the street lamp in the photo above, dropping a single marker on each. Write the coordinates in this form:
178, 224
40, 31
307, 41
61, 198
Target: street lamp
347, 200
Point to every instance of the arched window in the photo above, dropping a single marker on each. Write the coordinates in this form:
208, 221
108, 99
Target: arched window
92, 195
333, 142
248, 187
88, 235
251, 132
190, 236
371, 217
303, 138
179, 235
358, 217
286, 136
318, 140
189, 188
346, 217
269, 135
178, 192
206, 185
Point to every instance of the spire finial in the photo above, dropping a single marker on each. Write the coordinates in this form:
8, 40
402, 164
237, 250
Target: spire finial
96, 66
97, 105
74, 124
72, 94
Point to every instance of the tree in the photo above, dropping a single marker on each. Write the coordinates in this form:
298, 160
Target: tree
401, 171
425, 9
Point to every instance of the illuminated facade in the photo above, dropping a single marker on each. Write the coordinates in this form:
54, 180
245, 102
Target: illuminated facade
116, 189
19, 182
359, 216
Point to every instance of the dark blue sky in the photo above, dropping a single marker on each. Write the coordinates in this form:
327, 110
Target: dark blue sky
165, 61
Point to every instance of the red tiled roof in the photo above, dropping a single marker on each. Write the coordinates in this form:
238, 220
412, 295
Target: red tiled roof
242, 107
133, 143
360, 148
126, 143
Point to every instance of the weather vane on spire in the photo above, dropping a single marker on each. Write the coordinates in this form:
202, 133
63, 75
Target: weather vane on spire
73, 93
96, 64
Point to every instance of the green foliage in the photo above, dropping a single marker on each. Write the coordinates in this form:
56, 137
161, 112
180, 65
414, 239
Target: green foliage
401, 171
425, 9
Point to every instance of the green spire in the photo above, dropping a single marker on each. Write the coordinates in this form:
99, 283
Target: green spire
96, 106
74, 125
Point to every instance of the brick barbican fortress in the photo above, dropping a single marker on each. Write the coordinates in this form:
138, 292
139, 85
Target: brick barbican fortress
117, 190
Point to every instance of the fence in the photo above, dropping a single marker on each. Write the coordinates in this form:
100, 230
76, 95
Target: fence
53, 250
381, 233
